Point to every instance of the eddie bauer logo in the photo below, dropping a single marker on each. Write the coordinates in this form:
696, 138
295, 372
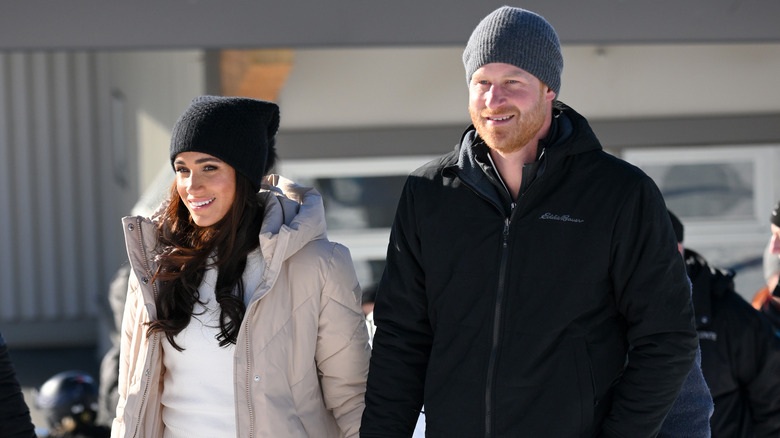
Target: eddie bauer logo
564, 218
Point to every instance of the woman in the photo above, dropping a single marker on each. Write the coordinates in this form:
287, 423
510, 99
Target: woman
241, 319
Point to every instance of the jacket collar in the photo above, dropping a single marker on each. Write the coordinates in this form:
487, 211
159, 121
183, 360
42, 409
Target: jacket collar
569, 134
707, 283
294, 216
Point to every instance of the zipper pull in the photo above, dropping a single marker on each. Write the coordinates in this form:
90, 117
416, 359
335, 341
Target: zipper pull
506, 231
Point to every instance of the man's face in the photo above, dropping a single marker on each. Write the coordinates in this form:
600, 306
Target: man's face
509, 107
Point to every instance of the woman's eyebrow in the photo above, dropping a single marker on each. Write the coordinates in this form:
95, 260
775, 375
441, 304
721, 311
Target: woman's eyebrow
207, 159
199, 160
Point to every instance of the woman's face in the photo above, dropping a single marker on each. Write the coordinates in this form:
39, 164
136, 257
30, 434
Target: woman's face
206, 185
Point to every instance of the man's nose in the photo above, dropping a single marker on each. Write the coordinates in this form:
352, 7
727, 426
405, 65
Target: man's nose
495, 97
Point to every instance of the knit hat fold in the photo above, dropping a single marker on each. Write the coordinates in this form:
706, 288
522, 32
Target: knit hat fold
238, 130
518, 37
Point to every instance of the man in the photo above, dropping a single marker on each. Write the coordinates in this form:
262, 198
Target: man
522, 265
767, 300
740, 353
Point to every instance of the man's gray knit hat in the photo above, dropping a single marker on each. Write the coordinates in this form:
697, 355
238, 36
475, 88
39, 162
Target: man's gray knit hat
518, 37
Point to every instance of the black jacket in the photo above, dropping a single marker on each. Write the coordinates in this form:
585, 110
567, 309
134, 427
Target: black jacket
740, 355
15, 419
515, 321
772, 313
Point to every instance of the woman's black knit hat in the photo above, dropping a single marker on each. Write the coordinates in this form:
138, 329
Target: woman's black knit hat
238, 130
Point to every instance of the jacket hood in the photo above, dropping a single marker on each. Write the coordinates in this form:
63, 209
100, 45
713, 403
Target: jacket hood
569, 134
294, 216
707, 283
720, 280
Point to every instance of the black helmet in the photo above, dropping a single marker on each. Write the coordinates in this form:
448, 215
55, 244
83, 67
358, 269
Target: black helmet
68, 394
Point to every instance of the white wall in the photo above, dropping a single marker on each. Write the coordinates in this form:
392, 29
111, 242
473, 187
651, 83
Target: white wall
336, 88
81, 133
157, 86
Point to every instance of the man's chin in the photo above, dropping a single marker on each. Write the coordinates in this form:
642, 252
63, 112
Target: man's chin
506, 149
502, 144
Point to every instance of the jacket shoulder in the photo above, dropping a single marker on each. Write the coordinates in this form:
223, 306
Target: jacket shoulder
615, 167
729, 302
434, 167
331, 263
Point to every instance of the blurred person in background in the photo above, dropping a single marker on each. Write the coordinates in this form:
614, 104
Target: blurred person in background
108, 395
690, 414
15, 421
740, 352
767, 300
69, 401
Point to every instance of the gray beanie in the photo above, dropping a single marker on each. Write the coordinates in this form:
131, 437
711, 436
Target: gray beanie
518, 37
771, 262
238, 130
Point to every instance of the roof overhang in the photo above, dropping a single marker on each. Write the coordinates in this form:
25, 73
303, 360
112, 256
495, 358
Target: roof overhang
217, 24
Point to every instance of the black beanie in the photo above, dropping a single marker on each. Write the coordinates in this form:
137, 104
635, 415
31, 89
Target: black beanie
775, 218
237, 130
679, 231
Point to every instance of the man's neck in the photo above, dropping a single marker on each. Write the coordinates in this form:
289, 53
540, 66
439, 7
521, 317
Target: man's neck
510, 165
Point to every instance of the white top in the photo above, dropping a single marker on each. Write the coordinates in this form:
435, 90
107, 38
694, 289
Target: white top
198, 395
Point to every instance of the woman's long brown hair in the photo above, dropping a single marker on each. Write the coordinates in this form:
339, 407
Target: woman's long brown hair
185, 253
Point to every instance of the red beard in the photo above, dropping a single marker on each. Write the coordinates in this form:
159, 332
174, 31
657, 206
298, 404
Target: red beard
511, 137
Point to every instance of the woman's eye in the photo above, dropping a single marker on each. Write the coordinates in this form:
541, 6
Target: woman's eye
210, 168
181, 170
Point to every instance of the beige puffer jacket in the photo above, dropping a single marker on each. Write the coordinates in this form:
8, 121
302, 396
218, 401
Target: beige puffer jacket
302, 354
